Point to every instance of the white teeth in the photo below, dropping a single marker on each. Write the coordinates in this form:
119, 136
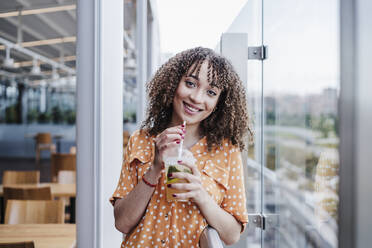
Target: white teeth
191, 108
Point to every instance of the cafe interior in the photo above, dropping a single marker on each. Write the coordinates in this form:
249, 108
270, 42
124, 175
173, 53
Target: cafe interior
37, 115
38, 119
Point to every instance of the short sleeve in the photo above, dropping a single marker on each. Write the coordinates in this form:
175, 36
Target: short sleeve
234, 201
128, 175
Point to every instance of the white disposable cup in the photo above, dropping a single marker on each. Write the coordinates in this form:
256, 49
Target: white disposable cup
171, 166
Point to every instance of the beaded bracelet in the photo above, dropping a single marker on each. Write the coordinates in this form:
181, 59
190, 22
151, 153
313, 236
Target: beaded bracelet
148, 183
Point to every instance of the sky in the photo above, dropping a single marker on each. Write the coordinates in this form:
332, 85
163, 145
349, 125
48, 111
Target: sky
302, 37
185, 24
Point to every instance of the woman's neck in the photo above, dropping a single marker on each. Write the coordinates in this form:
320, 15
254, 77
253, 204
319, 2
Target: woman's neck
192, 135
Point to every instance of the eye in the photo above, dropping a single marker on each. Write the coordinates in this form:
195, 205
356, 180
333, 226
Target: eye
190, 84
212, 93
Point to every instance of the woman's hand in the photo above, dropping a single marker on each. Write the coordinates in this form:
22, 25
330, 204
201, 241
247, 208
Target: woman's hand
196, 191
168, 139
226, 225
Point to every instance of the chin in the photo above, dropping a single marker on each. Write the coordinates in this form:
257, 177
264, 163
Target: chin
192, 121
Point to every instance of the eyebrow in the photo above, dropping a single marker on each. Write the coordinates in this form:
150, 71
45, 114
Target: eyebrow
213, 84
193, 76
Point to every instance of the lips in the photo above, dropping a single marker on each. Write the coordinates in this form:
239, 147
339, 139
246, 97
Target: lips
190, 108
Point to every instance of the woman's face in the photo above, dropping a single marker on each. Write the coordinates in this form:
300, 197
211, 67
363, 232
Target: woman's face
195, 98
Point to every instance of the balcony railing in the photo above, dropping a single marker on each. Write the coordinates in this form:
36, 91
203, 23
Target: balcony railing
298, 204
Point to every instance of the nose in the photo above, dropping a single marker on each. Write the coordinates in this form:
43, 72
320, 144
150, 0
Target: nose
196, 96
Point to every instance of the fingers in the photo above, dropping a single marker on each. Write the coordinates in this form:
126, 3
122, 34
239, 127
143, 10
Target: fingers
162, 146
176, 129
192, 190
186, 196
167, 138
191, 166
173, 130
184, 186
189, 177
172, 134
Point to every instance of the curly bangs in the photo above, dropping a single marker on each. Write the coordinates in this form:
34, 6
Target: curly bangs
228, 121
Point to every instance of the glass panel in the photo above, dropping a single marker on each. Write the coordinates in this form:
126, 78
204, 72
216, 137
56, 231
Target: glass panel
301, 89
37, 94
249, 21
130, 92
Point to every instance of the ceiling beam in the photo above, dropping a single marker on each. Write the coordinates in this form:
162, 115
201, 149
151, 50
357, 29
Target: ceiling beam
8, 74
47, 20
72, 13
24, 12
15, 53
33, 33
37, 56
50, 72
29, 62
45, 42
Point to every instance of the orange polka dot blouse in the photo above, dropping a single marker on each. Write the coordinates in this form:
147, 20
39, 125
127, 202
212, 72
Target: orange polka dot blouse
179, 224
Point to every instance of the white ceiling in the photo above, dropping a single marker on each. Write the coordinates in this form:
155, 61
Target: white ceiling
39, 27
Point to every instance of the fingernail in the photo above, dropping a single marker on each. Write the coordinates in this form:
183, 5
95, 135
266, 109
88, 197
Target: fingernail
174, 195
177, 141
182, 136
169, 174
169, 185
179, 161
182, 125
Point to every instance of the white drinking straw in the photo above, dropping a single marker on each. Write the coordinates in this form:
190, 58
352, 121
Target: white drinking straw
181, 144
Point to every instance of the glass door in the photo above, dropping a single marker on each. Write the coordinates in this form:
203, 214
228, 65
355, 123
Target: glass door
292, 163
247, 26
300, 86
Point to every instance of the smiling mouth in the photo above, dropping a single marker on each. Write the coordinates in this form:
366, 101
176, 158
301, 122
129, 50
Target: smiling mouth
191, 109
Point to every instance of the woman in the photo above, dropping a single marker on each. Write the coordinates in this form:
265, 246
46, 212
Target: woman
199, 87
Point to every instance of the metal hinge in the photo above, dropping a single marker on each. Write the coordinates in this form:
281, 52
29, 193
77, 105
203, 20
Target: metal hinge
264, 221
258, 53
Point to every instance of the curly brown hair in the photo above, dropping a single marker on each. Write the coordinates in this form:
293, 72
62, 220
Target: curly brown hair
230, 118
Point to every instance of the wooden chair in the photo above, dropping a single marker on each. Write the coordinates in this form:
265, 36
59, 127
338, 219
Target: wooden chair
20, 177
44, 142
26, 193
62, 161
26, 244
126, 136
66, 177
34, 212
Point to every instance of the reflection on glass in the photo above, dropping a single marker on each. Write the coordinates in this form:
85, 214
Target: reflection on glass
38, 93
301, 89
249, 22
130, 91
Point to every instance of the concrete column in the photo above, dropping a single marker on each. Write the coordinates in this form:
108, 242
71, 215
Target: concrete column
355, 219
99, 119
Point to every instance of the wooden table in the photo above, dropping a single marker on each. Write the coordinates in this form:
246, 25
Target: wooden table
58, 189
43, 235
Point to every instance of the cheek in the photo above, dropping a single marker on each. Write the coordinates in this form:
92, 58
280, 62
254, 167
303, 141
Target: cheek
180, 92
212, 104
178, 98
